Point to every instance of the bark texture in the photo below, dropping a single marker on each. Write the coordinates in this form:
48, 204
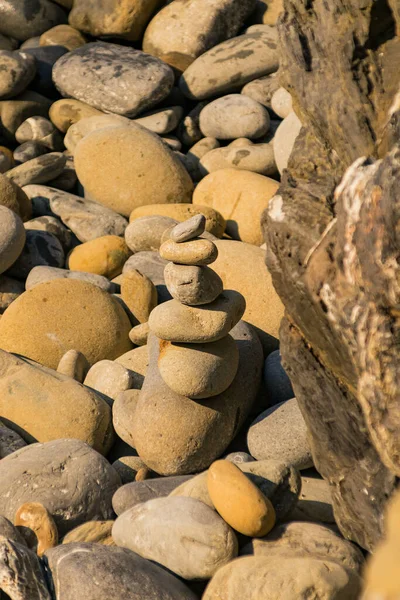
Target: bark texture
333, 237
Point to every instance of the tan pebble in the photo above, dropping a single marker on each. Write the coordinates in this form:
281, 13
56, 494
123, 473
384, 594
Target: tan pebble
66, 112
123, 415
139, 334
74, 364
35, 517
98, 532
239, 502
62, 35
139, 293
195, 252
105, 255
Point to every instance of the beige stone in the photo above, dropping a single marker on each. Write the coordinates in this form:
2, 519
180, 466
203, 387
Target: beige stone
62, 35
139, 293
98, 532
239, 502
35, 518
109, 378
284, 140
12, 238
257, 158
256, 577
43, 405
14, 198
315, 501
127, 167
66, 112
105, 256
74, 364
196, 252
281, 103
241, 197
199, 370
184, 29
125, 19
203, 146
139, 334
242, 268
123, 415
215, 223
89, 124
145, 233
61, 315
162, 120
192, 285
234, 116
175, 322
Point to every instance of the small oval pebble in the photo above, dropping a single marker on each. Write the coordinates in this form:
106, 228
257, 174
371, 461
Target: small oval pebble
105, 256
192, 228
234, 116
139, 334
74, 364
195, 252
192, 285
35, 517
239, 502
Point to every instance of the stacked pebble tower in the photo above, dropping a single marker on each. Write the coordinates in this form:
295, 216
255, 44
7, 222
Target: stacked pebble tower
201, 363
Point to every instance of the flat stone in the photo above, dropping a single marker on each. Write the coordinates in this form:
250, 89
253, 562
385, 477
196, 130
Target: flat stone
47, 405
228, 66
115, 573
151, 174
315, 501
262, 89
257, 158
126, 20
74, 364
28, 151
183, 30
195, 252
239, 502
60, 315
132, 494
199, 541
199, 371
87, 220
104, 256
175, 322
188, 436
192, 285
188, 230
109, 378
74, 482
63, 35
98, 532
306, 540
234, 116
145, 233
162, 120
17, 70
36, 522
66, 112
284, 140
215, 223
21, 20
139, 293
282, 578
41, 248
38, 170
113, 78
10, 289
280, 433
241, 197
42, 274
12, 238
21, 573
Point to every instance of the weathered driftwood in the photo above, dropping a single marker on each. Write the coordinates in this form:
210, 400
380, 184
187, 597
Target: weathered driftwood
333, 237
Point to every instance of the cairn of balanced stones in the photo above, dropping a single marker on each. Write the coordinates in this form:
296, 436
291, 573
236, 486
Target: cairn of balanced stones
206, 362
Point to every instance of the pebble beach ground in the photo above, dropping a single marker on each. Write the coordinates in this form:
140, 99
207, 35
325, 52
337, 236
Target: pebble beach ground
151, 445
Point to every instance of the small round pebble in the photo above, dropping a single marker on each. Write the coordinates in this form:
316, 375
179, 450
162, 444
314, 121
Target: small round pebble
195, 252
234, 116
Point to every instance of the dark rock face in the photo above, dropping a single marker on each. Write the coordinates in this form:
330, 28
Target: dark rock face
333, 249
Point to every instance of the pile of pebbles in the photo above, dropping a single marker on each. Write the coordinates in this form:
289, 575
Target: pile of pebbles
151, 445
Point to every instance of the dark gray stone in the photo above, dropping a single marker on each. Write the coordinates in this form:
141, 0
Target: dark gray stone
46, 57
73, 481
93, 571
28, 151
41, 248
22, 19
277, 384
38, 170
113, 78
